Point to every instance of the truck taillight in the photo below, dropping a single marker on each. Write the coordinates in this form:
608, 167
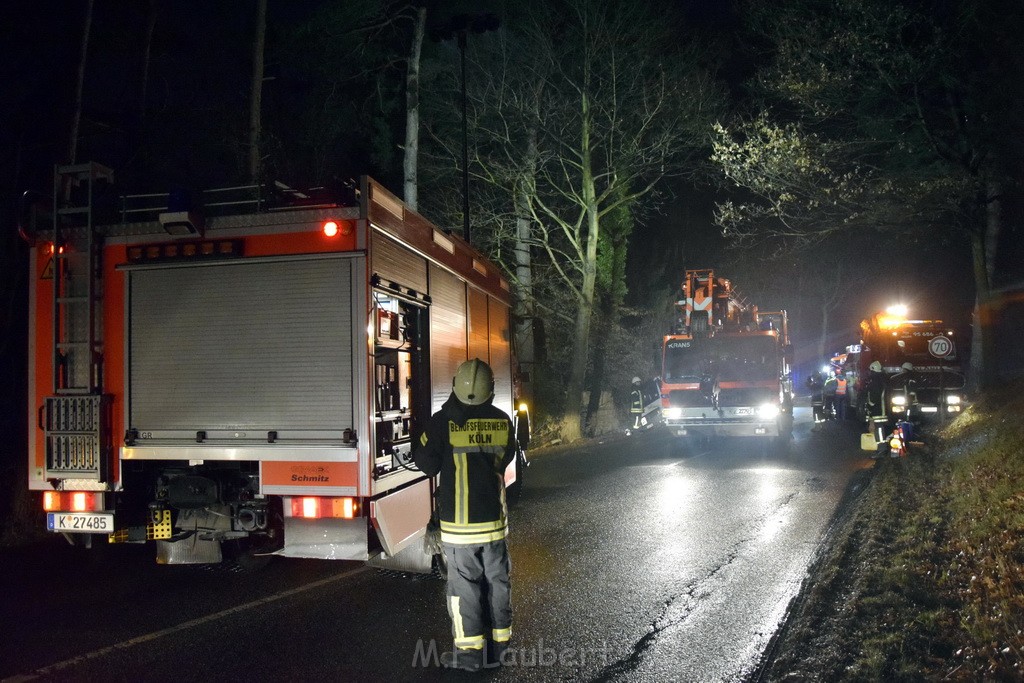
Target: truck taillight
71, 501
334, 228
317, 507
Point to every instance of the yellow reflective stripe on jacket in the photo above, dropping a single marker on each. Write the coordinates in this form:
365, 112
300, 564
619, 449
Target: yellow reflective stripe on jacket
501, 635
473, 539
461, 488
473, 527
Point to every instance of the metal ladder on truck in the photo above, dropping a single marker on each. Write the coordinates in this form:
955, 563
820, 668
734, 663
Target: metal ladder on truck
76, 418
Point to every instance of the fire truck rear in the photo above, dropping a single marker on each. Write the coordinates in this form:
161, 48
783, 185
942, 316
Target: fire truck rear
240, 374
725, 370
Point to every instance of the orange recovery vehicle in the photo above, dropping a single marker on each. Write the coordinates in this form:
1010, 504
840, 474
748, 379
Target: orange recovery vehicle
242, 373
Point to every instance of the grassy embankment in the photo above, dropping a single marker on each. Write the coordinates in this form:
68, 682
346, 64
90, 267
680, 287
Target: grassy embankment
924, 580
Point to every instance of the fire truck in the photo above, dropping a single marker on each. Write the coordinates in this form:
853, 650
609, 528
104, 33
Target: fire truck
240, 373
725, 367
933, 388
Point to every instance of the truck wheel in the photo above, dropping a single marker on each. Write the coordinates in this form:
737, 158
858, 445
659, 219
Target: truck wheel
515, 492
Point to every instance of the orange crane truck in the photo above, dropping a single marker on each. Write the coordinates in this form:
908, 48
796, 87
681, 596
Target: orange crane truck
725, 367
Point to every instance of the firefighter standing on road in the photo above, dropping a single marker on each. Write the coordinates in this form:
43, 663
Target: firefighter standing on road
470, 442
636, 403
875, 402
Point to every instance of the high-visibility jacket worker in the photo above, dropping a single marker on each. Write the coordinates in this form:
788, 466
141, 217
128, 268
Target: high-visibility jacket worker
840, 400
470, 442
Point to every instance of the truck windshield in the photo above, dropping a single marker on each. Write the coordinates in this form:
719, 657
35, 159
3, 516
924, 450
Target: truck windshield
686, 360
727, 358
746, 358
910, 344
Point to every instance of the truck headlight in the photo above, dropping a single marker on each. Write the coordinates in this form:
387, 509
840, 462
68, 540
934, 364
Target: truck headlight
767, 411
953, 399
899, 400
673, 413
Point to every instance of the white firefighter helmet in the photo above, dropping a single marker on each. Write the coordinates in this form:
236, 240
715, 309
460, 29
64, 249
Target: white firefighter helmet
474, 382
907, 367
636, 380
875, 366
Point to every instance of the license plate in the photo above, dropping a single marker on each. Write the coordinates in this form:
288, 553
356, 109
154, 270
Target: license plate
80, 522
744, 411
929, 409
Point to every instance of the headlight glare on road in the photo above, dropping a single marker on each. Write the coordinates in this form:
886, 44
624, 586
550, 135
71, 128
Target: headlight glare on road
768, 411
673, 413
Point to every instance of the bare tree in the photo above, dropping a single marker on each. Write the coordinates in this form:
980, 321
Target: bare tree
76, 114
256, 92
616, 107
412, 108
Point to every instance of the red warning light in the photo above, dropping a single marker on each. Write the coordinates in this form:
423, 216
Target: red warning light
331, 228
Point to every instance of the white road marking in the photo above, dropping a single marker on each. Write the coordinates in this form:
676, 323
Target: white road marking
52, 668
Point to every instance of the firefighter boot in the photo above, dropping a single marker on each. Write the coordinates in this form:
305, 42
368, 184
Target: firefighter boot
493, 653
466, 659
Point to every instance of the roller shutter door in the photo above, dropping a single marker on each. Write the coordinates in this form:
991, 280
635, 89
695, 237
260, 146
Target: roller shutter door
501, 352
447, 332
254, 345
395, 263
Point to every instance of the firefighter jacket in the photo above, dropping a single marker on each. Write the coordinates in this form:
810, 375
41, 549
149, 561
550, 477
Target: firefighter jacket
470, 447
636, 401
875, 392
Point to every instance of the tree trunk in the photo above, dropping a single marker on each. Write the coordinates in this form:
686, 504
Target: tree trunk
412, 109
585, 310
983, 361
256, 95
524, 313
76, 114
147, 52
597, 374
981, 340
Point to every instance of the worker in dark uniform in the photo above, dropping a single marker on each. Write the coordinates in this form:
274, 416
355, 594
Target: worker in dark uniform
470, 442
829, 394
636, 403
875, 397
816, 385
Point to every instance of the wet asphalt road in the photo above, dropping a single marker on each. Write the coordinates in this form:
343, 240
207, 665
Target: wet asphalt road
631, 560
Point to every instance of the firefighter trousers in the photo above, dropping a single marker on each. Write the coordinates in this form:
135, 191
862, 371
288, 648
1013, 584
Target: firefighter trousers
479, 598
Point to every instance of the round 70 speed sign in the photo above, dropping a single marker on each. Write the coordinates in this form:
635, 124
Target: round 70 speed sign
940, 347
